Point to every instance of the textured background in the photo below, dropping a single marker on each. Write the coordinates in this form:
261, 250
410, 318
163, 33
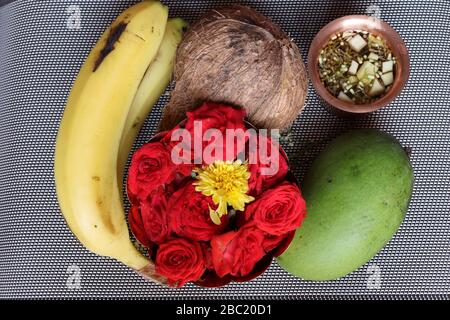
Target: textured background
39, 59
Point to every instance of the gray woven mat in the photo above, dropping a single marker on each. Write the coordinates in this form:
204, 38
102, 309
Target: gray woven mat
40, 54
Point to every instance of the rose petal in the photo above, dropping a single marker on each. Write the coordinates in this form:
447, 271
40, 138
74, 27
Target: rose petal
219, 245
137, 226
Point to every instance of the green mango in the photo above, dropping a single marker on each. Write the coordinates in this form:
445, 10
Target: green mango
357, 193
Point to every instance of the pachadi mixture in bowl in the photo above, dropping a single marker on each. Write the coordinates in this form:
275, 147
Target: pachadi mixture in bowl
357, 66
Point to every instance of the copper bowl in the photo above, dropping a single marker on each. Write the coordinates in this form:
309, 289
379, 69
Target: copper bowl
378, 28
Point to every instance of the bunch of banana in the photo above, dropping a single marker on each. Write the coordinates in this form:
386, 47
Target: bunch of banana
120, 81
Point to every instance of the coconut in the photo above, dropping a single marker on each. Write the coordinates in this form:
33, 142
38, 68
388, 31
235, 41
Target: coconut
237, 56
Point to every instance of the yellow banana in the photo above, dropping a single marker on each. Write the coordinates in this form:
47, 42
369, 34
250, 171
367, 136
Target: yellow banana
151, 88
88, 140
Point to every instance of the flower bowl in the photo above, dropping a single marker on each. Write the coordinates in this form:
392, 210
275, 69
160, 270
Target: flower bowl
224, 246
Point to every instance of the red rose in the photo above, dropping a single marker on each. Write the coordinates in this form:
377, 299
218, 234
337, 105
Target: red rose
207, 253
137, 226
180, 261
278, 210
270, 241
154, 217
189, 215
266, 169
237, 252
216, 116
152, 167
211, 116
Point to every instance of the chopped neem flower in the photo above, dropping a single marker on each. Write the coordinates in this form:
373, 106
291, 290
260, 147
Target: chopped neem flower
357, 66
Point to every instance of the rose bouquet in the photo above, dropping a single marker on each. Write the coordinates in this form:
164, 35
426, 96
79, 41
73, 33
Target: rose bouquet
213, 199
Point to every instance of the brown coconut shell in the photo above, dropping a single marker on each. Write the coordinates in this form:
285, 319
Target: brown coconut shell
237, 56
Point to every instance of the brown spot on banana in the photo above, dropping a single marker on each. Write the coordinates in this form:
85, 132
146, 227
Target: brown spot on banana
135, 34
113, 37
106, 219
136, 123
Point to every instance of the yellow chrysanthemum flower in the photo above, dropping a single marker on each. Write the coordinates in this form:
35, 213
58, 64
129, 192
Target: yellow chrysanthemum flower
227, 183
